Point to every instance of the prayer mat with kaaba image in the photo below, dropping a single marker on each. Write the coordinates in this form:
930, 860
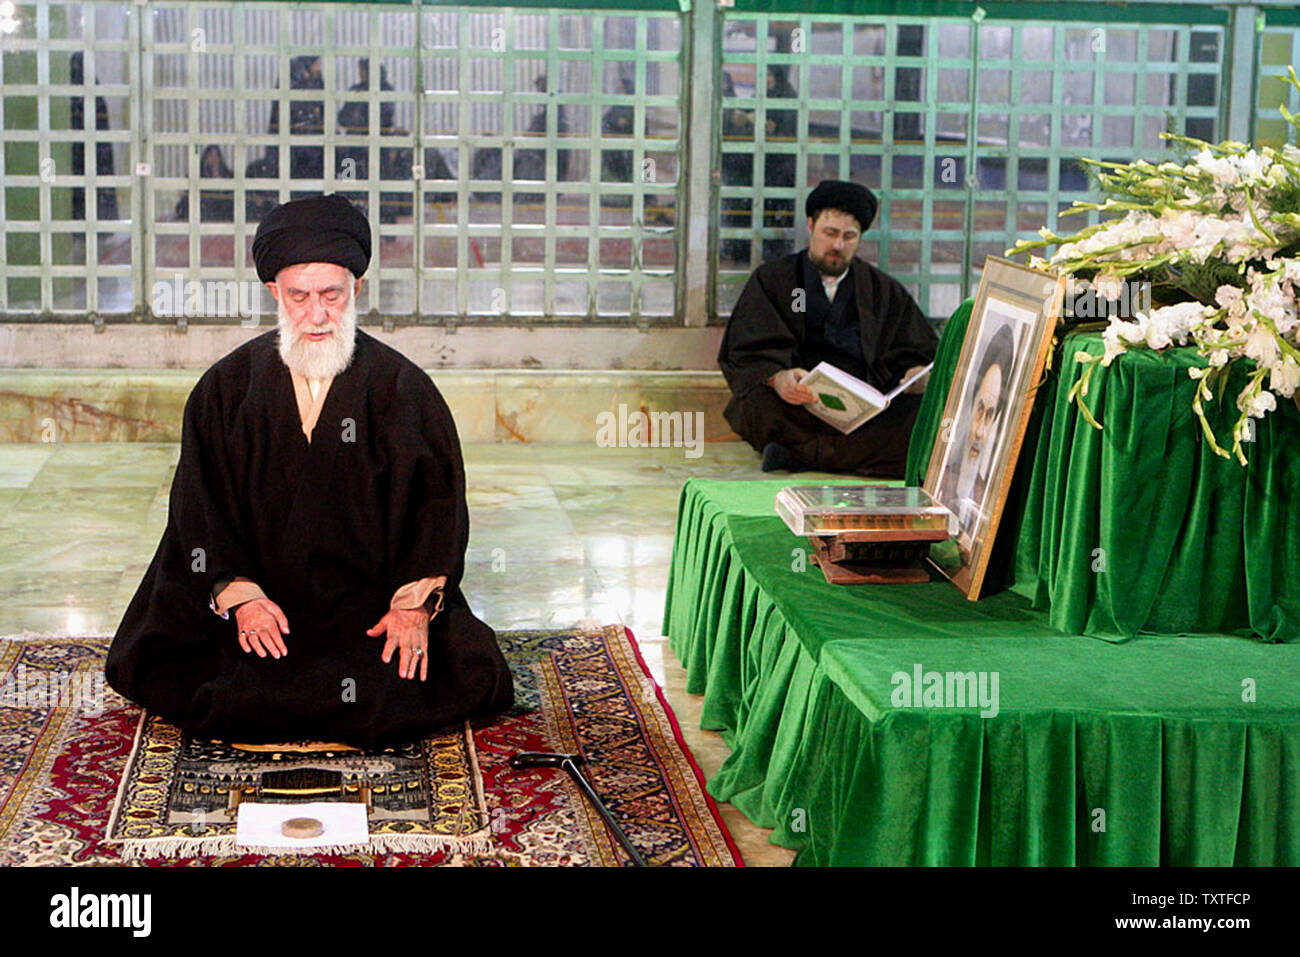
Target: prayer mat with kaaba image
87, 778
180, 795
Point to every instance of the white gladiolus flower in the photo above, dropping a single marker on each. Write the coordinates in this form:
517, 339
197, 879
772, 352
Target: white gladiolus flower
1268, 298
1161, 327
1220, 168
1210, 232
1090, 244
1114, 345
1157, 334
1261, 345
1284, 377
1178, 226
1131, 332
1228, 296
1109, 285
1252, 165
1257, 405
1127, 232
1243, 241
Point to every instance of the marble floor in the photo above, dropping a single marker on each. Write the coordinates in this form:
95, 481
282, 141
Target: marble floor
560, 535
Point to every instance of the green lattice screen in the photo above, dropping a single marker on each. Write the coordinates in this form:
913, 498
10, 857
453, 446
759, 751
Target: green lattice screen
517, 163
70, 100
497, 197
586, 112
892, 102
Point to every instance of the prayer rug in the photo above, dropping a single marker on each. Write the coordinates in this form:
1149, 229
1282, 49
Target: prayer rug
175, 797
86, 778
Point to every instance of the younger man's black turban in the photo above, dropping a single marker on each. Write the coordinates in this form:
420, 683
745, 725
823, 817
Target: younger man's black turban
858, 201
319, 229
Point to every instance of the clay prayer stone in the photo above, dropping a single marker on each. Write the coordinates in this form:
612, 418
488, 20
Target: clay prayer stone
302, 827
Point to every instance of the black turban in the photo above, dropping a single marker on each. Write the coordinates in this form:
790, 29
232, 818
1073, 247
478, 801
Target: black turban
319, 229
858, 201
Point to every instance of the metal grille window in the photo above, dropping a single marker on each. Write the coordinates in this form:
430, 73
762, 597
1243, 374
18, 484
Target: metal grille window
528, 162
254, 104
516, 163
70, 97
968, 129
551, 148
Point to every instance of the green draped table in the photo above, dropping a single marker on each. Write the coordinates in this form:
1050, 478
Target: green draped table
1140, 528
1173, 740
1161, 750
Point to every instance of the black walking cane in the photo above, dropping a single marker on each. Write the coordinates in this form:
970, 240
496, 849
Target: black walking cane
570, 762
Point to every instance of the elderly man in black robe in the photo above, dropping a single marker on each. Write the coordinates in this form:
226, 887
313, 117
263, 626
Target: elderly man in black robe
307, 586
823, 304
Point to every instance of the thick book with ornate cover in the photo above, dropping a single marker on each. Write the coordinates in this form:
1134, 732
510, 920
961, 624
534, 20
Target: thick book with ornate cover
836, 509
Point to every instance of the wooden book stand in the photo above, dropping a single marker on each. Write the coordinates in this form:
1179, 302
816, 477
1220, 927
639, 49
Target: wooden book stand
876, 557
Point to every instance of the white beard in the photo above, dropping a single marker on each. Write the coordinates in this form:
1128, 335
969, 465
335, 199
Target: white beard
319, 360
976, 468
966, 478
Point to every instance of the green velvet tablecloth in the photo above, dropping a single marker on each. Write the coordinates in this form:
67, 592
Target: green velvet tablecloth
1153, 751
1140, 528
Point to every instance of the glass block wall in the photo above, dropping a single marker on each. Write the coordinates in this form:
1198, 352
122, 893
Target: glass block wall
969, 129
71, 100
528, 163
517, 163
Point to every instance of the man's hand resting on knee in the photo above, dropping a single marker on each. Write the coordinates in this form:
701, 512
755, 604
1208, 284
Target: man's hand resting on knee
261, 623
408, 630
786, 384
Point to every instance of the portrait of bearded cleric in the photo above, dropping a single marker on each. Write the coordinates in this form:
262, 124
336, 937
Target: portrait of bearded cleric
980, 427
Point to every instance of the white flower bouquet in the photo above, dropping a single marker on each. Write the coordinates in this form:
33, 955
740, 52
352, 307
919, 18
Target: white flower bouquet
1217, 238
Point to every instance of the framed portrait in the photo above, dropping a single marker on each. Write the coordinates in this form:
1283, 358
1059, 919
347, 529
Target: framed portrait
983, 425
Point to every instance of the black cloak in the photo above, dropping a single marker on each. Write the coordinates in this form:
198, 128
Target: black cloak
767, 333
329, 529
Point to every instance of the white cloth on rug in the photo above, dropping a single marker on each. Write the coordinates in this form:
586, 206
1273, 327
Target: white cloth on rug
344, 823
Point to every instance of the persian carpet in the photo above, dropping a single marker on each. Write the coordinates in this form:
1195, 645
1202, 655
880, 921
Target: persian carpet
87, 779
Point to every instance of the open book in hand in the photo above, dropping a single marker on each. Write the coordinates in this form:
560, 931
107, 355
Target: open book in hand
845, 401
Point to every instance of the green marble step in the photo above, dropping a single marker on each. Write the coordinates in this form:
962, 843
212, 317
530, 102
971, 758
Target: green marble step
125, 405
